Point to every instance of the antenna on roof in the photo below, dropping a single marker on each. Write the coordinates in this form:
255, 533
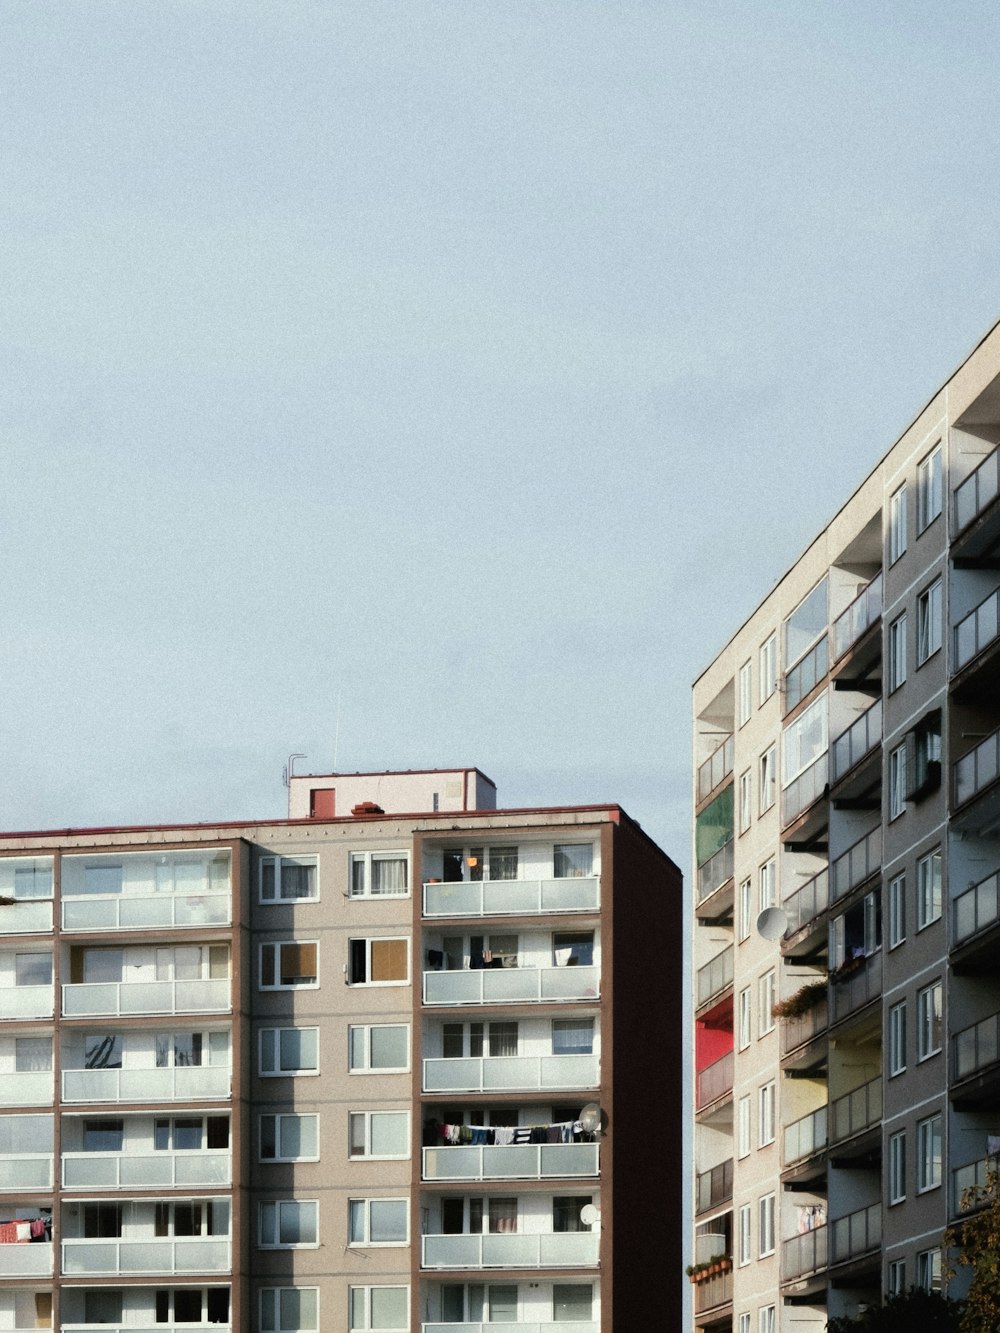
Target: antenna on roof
289, 770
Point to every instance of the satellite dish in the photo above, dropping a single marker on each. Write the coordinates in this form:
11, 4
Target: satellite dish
772, 923
589, 1215
590, 1118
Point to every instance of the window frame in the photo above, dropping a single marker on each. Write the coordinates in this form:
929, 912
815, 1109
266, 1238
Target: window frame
896, 1277
930, 1020
930, 888
745, 924
279, 1072
930, 1166
767, 995
744, 1019
767, 789
365, 1212
896, 895
744, 1128
367, 1289
767, 884
766, 1106
368, 941
276, 966
898, 524
745, 801
366, 1118
768, 663
897, 782
277, 1325
366, 860
930, 617
278, 1116
896, 1168
930, 488
897, 637
766, 1239
745, 1235
896, 1038
278, 1243
277, 861
929, 1269
368, 1068
745, 693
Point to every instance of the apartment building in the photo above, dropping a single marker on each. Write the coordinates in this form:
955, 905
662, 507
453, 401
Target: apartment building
847, 809
358, 1070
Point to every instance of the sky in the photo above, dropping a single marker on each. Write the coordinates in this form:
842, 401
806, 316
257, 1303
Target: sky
411, 383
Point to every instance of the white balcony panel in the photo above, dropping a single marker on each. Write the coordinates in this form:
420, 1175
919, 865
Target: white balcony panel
31, 1259
27, 1089
148, 1170
525, 1326
173, 1328
156, 911
512, 985
26, 1171
564, 1249
178, 1254
26, 1001
146, 997
513, 897
512, 1073
516, 1161
27, 917
146, 1085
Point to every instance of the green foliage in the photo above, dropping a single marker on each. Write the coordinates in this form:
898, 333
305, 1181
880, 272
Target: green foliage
975, 1244
927, 1311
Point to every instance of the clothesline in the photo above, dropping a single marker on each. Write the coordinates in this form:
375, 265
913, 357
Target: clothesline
500, 1136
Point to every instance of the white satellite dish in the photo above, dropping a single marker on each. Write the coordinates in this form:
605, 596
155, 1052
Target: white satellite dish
772, 923
589, 1215
590, 1118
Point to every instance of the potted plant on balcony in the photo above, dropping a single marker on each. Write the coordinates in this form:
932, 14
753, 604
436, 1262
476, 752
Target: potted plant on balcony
805, 998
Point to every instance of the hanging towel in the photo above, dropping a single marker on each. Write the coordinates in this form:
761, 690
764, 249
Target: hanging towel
503, 1135
562, 956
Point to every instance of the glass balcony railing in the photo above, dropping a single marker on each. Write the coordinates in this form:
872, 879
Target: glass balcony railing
515, 1073
860, 861
148, 1327
856, 1111
856, 1234
806, 1253
977, 1046
26, 917
513, 985
860, 738
557, 1249
147, 1170
516, 1161
795, 1032
177, 1254
808, 902
716, 871
146, 890
182, 1083
968, 1184
524, 1326
862, 613
977, 908
978, 769
805, 1137
977, 631
147, 912
29, 1088
513, 897
807, 788
26, 1001
35, 1260
715, 1080
146, 997
26, 1171
806, 673
852, 991
715, 976
977, 491
716, 768
714, 1188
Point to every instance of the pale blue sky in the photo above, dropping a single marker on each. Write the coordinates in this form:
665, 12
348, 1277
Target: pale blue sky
479, 363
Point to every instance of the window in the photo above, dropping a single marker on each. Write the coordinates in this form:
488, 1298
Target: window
287, 879
768, 779
897, 910
929, 1270
186, 1306
289, 1138
766, 1319
381, 1050
929, 489
104, 1135
746, 909
743, 1028
930, 1007
288, 1051
573, 860
379, 875
744, 1324
289, 1309
743, 1127
571, 1304
377, 1221
765, 1212
804, 741
190, 1133
380, 1308
745, 1238
746, 800
288, 1223
746, 693
378, 962
103, 1307
570, 1036
288, 965
896, 1282
897, 525
767, 997
928, 888
897, 781
33, 969
897, 653
32, 1055
924, 768
928, 622
806, 623
768, 668
379, 1134
897, 1038
929, 1137
766, 1122
768, 895
897, 1167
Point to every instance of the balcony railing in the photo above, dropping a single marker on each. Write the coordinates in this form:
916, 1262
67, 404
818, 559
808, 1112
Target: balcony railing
714, 1187
26, 1171
27, 916
26, 1001
861, 737
856, 1111
146, 1328
856, 864
856, 1234
862, 613
513, 1073
147, 1170
716, 870
27, 1089
715, 1080
146, 997
805, 1253
858, 989
716, 768
977, 491
513, 897
977, 908
155, 911
713, 1292
26, 1260
516, 1161
795, 1032
977, 630
807, 788
715, 976
965, 1180
178, 1254
524, 1326
805, 1137
976, 770
181, 1083
807, 902
807, 673
555, 1249
977, 1047
512, 985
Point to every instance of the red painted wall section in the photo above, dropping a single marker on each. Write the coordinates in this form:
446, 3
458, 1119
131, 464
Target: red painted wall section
713, 1035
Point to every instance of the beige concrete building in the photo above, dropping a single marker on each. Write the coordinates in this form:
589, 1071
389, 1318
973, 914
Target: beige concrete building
847, 757
359, 1070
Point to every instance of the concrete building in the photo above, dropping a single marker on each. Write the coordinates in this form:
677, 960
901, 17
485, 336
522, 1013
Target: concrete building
360, 1070
847, 811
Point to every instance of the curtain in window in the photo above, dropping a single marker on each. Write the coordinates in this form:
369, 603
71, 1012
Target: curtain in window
388, 876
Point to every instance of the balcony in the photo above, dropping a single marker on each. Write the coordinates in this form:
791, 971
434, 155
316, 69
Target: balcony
195, 1169
807, 903
517, 1161
713, 1292
977, 631
146, 1328
806, 1137
977, 770
525, 1326
27, 1171
976, 916
858, 863
552, 1249
26, 1001
715, 871
114, 998
854, 623
806, 674
968, 1184
120, 1256
856, 1234
862, 737
141, 891
714, 1188
798, 1031
804, 1254
714, 771
806, 790
856, 1111
176, 1084
851, 991
31, 1260
28, 916
976, 1048
715, 977
513, 1073
977, 492
715, 1081
27, 1089
513, 897
514, 985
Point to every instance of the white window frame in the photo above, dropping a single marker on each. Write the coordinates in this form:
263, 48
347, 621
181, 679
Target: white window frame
278, 1117
744, 1128
930, 1020
368, 1326
277, 946
746, 800
929, 1270
745, 1237
745, 694
767, 997
765, 1225
766, 1108
766, 1319
930, 489
768, 884
279, 1072
744, 1324
364, 1210
896, 893
744, 1034
896, 1278
768, 780
768, 668
278, 863
897, 524
365, 1118
897, 782
363, 862
929, 888
930, 605
746, 909
930, 1133
897, 653
896, 1039
896, 1171
368, 941
278, 1325
368, 1068
278, 1243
